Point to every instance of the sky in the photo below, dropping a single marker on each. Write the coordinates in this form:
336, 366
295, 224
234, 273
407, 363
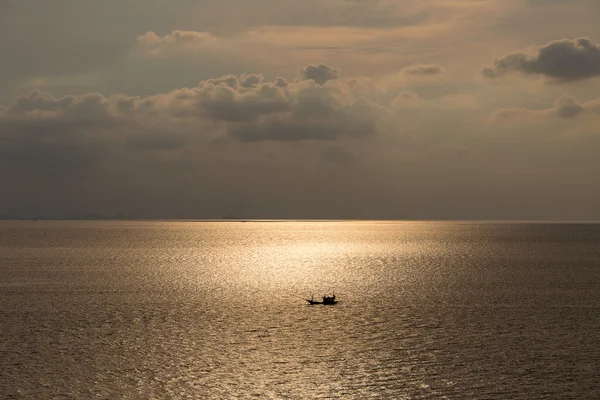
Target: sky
413, 109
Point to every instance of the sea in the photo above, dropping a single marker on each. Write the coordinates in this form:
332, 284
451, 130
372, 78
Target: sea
217, 310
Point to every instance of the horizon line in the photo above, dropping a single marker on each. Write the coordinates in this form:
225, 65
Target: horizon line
189, 219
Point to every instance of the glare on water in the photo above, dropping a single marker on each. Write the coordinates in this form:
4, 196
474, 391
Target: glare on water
140, 310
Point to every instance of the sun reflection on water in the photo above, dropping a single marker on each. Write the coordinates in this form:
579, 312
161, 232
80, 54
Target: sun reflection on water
215, 310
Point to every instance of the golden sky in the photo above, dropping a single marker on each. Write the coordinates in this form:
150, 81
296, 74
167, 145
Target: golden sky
416, 109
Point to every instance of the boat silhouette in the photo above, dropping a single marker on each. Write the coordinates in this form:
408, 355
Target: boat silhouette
327, 300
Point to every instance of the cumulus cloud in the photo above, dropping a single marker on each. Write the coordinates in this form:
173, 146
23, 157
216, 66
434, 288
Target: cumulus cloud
564, 60
246, 107
319, 73
243, 98
315, 113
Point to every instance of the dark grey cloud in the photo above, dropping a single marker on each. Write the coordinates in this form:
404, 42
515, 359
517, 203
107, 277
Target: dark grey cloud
564, 60
319, 73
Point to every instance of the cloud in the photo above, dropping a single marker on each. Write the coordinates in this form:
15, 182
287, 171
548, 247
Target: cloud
90, 105
95, 143
285, 129
243, 98
41, 133
246, 107
568, 107
177, 41
565, 107
312, 112
319, 73
201, 149
423, 69
176, 46
563, 60
156, 108
275, 49
318, 107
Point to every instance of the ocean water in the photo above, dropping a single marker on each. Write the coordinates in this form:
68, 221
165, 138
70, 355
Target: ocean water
216, 310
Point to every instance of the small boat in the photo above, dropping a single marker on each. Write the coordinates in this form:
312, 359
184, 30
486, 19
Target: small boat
327, 300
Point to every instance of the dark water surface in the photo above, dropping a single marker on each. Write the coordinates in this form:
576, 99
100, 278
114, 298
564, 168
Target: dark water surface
214, 310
